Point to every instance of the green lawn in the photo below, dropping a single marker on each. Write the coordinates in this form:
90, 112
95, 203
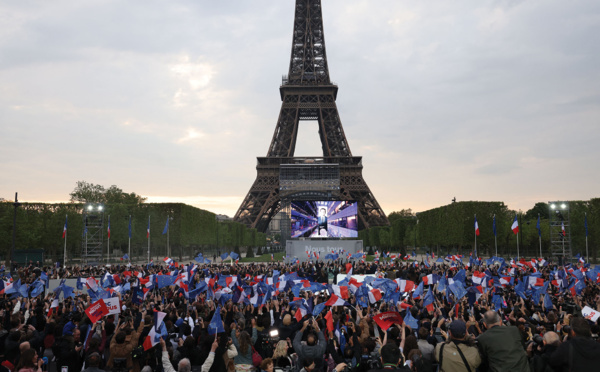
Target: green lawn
263, 258
279, 257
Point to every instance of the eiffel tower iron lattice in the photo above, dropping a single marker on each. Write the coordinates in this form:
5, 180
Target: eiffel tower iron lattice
307, 93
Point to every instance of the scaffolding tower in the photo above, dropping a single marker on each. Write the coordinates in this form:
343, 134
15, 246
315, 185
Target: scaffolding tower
92, 242
560, 230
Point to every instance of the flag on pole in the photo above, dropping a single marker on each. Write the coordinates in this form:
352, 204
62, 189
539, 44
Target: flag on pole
562, 229
584, 224
272, 257
148, 229
67, 219
108, 228
515, 226
539, 227
125, 257
129, 227
476, 227
166, 227
216, 324
494, 225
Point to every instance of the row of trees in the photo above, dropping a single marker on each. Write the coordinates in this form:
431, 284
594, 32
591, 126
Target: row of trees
450, 228
40, 225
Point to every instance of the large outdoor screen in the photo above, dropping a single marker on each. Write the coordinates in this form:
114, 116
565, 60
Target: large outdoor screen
324, 219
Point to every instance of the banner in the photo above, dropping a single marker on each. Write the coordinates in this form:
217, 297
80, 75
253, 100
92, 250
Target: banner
590, 314
385, 320
113, 305
96, 311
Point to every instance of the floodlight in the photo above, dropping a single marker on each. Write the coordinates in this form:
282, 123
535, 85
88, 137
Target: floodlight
563, 206
100, 207
90, 207
552, 206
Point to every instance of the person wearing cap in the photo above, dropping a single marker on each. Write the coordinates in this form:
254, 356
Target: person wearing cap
457, 353
501, 347
68, 349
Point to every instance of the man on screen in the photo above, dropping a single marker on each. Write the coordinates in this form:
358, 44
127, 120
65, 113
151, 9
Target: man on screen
322, 219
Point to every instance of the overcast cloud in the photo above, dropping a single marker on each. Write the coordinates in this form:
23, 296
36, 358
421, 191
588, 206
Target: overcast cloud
482, 100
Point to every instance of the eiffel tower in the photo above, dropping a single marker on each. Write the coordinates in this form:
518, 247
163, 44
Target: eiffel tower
307, 93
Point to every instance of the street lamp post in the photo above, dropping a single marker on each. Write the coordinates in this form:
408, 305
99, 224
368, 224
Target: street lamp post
16, 204
217, 230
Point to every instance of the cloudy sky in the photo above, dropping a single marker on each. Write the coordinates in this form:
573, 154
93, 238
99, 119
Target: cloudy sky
174, 100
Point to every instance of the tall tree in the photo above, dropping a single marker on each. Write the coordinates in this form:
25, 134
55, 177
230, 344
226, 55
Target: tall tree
541, 208
86, 192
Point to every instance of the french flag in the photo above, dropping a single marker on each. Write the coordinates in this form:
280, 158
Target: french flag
353, 285
405, 285
374, 295
340, 291
168, 261
272, 257
429, 279
301, 312
151, 340
535, 281
159, 316
108, 228
334, 300
53, 306
476, 227
91, 282
478, 277
515, 226
505, 281
148, 229
562, 229
65, 227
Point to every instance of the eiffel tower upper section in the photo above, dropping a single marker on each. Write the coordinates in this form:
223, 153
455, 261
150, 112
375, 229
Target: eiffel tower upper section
307, 93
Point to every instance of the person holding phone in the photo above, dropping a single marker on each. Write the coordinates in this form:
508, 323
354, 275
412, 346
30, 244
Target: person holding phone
122, 344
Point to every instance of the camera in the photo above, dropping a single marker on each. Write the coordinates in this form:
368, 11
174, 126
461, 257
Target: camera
269, 342
537, 340
120, 365
371, 360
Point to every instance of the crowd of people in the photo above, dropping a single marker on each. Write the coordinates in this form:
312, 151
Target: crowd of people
487, 315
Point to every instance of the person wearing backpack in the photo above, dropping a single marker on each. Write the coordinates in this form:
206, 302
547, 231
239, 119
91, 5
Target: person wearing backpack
456, 355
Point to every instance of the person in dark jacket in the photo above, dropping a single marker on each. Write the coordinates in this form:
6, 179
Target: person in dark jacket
68, 349
315, 345
580, 353
500, 347
539, 357
390, 358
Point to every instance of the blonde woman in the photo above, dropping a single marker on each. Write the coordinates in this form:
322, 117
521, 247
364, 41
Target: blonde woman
280, 355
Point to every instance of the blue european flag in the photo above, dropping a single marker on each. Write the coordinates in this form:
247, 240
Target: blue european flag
165, 281
318, 309
410, 321
216, 324
166, 229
